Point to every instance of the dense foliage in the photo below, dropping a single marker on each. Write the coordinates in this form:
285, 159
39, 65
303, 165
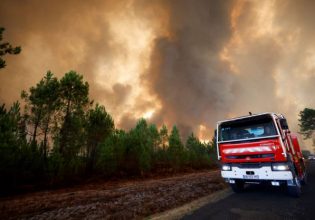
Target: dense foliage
61, 137
307, 122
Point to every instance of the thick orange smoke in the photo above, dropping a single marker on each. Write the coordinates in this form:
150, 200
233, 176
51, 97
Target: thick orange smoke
185, 62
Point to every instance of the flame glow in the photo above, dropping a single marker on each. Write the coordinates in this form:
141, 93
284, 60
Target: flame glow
148, 114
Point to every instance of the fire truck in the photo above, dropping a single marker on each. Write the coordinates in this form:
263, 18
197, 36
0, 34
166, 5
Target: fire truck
260, 148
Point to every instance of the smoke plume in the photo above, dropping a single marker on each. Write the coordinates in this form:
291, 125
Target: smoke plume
183, 62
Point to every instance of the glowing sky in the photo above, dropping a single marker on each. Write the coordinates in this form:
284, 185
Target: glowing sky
183, 62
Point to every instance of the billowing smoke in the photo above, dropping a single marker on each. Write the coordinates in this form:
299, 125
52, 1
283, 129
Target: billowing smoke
194, 85
182, 62
106, 41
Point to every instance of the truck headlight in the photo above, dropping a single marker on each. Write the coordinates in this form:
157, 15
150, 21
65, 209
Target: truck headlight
226, 167
280, 166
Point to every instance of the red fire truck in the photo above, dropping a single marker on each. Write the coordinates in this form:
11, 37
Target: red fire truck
259, 148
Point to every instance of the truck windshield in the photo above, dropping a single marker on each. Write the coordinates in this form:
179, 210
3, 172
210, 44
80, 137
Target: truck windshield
252, 127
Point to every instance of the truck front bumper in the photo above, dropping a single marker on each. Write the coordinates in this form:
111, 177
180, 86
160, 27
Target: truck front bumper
260, 173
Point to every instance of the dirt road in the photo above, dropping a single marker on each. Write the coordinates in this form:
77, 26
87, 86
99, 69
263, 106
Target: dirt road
112, 200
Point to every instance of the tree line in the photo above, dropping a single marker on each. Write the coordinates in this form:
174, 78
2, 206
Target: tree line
60, 136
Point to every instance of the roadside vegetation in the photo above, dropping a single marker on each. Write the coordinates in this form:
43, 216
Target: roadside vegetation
61, 137
307, 127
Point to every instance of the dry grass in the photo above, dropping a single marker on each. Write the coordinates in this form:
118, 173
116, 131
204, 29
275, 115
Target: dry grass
113, 199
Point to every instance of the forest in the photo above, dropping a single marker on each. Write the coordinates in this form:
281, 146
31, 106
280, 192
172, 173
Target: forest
61, 137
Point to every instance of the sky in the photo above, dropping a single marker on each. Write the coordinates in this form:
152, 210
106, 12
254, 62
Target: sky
183, 62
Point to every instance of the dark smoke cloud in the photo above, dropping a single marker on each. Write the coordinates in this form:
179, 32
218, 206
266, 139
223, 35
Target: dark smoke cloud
193, 84
196, 86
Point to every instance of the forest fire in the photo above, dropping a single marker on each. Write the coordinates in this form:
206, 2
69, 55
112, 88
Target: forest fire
190, 70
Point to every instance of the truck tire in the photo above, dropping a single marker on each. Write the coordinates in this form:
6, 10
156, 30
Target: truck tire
237, 187
295, 190
304, 179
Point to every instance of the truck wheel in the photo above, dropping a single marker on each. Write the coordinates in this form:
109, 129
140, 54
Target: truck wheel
238, 186
295, 190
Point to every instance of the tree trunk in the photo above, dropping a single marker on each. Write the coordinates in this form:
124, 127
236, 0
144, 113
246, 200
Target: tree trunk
45, 137
36, 124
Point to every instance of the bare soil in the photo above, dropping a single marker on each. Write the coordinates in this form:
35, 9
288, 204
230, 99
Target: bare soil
133, 199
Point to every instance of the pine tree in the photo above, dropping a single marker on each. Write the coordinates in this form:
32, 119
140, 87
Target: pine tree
176, 148
100, 125
6, 48
74, 101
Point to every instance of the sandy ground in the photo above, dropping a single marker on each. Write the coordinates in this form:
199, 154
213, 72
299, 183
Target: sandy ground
135, 199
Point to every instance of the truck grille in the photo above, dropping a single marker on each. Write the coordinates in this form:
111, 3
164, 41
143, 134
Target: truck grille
250, 165
253, 156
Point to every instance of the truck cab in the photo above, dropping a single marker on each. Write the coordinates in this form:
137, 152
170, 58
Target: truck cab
260, 148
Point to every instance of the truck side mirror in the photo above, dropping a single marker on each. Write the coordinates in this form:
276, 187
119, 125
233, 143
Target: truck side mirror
215, 134
284, 124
